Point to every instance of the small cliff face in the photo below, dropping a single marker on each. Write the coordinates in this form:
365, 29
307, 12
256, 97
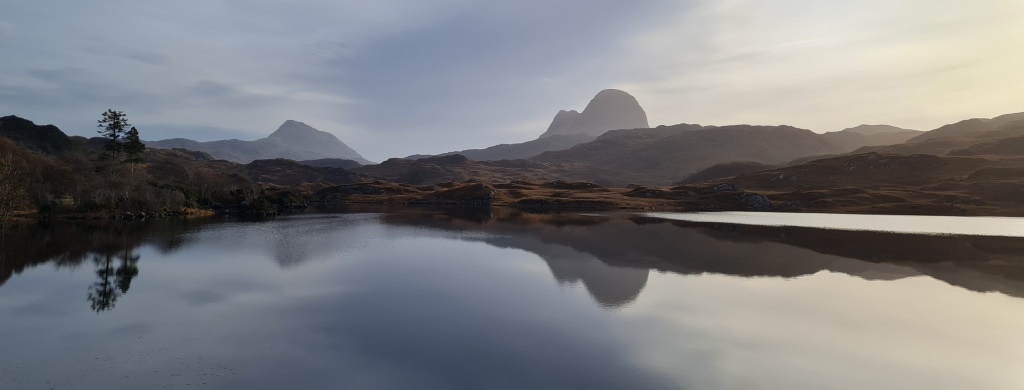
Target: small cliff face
611, 109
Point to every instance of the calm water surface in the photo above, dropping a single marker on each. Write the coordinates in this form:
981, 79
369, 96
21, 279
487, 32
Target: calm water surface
501, 300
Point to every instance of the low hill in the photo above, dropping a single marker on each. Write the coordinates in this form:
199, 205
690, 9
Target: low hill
172, 163
521, 150
333, 163
941, 146
26, 134
442, 169
647, 156
879, 129
967, 127
666, 154
871, 135
888, 184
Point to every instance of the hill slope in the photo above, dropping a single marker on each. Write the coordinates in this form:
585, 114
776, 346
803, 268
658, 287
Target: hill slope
47, 139
667, 154
966, 127
521, 150
871, 135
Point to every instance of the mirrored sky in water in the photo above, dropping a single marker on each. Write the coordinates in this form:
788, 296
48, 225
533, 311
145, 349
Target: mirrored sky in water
496, 300
919, 224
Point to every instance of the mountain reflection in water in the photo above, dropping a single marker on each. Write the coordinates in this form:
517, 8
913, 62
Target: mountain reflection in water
497, 298
609, 255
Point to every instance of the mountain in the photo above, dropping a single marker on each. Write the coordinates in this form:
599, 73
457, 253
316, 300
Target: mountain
611, 109
26, 134
971, 134
968, 126
878, 129
521, 150
871, 135
667, 154
303, 138
293, 140
562, 122
651, 156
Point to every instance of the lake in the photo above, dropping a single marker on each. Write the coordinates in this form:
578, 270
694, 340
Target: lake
498, 299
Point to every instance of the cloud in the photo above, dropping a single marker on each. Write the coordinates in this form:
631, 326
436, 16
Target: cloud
397, 77
828, 65
7, 31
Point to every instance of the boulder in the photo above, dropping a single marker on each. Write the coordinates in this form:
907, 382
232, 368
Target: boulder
754, 201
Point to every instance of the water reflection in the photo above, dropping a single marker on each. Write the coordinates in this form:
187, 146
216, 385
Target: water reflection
112, 283
501, 299
612, 255
111, 247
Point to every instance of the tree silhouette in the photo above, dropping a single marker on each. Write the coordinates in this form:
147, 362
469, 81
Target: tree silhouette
102, 293
113, 126
127, 271
133, 147
112, 282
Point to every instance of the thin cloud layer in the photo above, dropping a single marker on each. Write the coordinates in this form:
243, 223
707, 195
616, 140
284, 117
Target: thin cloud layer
398, 77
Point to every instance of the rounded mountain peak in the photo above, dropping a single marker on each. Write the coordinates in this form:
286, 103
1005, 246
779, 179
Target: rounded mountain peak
610, 109
611, 93
294, 128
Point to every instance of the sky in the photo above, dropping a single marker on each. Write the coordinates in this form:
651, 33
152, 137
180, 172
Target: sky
392, 78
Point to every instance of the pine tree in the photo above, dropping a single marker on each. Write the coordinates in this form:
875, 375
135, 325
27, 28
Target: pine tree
133, 147
112, 126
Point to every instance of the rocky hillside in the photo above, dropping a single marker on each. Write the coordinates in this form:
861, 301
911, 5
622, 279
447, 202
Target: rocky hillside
46, 139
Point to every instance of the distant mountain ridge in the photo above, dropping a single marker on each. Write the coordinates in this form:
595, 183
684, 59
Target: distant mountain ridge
877, 129
292, 140
871, 135
521, 150
975, 125
667, 154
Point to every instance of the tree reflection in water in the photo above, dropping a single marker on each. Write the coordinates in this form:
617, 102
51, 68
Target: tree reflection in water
112, 282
